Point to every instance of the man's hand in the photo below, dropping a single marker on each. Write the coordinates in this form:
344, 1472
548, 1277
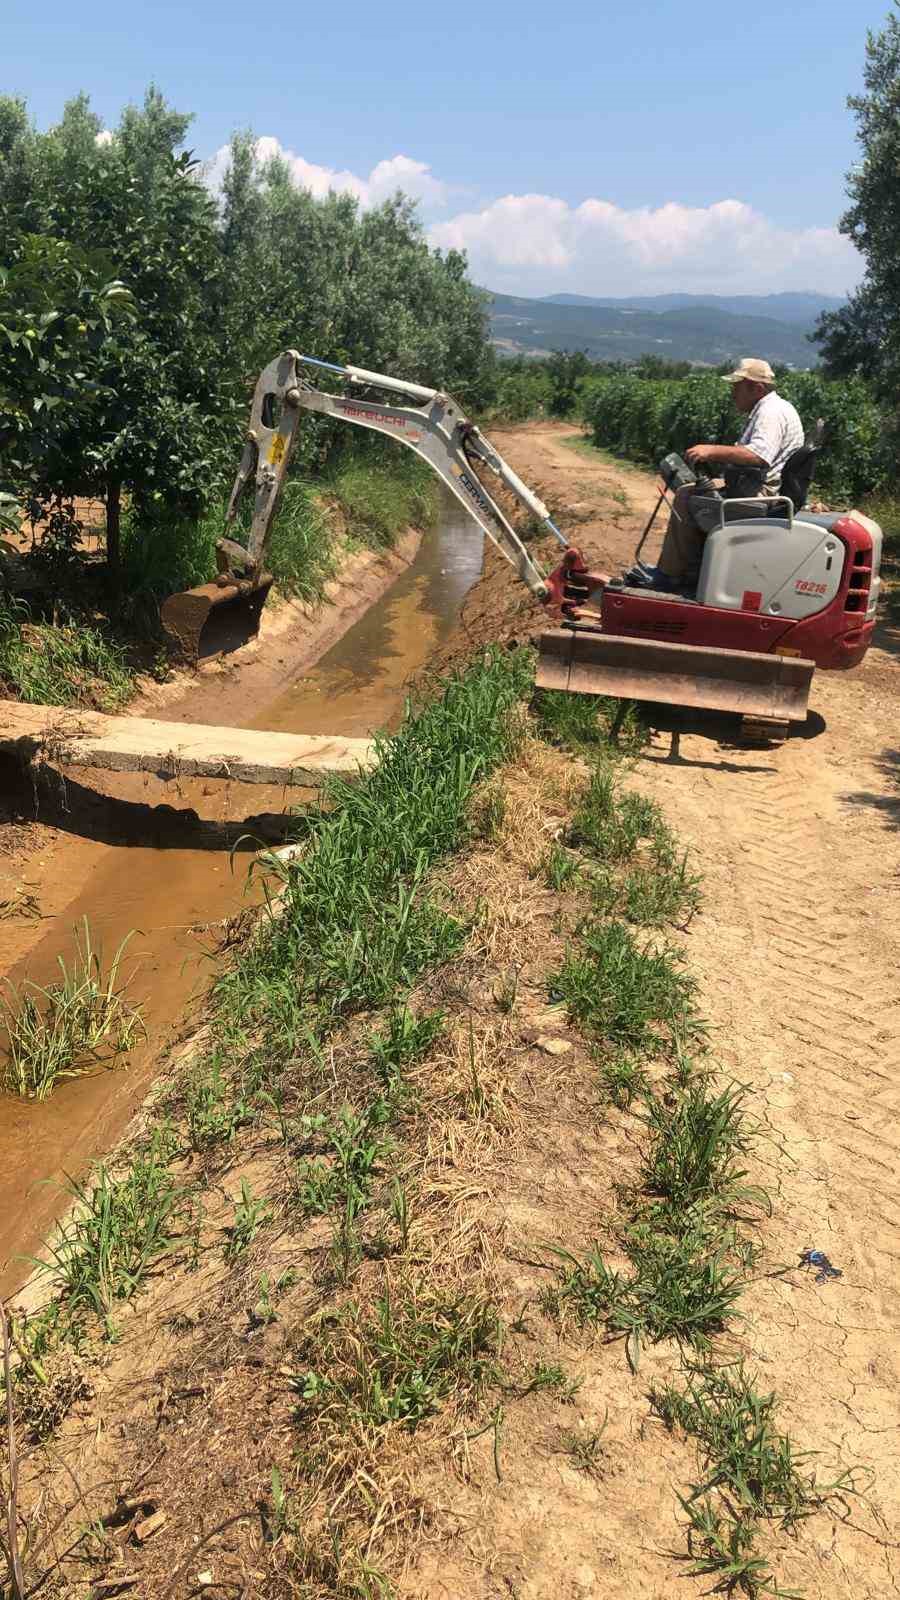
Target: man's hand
725, 455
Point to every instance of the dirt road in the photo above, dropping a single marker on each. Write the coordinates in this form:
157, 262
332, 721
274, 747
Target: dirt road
798, 954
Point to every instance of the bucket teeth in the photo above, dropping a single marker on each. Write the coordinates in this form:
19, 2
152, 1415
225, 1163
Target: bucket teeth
582, 661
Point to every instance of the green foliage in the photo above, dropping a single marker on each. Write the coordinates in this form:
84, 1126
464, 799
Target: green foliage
398, 1362
342, 1178
250, 1214
618, 991
748, 1459
583, 722
136, 411
623, 1079
559, 867
650, 895
64, 1029
59, 305
66, 665
522, 389
611, 823
214, 1109
356, 926
865, 335
646, 418
404, 1039
696, 1141
681, 1286
382, 491
120, 1228
752, 1473
135, 310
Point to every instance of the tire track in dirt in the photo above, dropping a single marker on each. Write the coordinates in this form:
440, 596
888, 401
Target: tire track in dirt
798, 962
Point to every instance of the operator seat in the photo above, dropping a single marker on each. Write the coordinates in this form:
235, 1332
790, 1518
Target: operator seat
742, 482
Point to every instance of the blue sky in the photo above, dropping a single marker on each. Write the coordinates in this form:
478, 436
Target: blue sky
623, 148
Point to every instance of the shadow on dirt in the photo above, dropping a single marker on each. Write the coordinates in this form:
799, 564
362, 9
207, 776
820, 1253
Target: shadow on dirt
887, 803
887, 633
75, 808
722, 732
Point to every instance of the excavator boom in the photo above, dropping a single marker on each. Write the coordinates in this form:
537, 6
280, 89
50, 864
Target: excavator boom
427, 421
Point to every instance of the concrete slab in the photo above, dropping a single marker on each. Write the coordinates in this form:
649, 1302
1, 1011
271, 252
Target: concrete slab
64, 737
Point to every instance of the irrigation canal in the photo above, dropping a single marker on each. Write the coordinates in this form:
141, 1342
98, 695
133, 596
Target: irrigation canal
164, 876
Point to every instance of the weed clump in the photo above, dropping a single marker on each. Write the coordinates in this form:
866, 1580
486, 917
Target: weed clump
399, 1360
695, 1146
681, 1286
625, 994
65, 1029
404, 1039
752, 1473
67, 663
120, 1229
583, 722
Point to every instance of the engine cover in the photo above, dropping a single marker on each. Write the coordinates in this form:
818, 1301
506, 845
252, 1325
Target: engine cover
772, 566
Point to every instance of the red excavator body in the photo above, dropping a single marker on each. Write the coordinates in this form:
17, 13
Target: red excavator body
591, 653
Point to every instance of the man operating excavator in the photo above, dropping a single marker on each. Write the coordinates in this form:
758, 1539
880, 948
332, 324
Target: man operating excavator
753, 466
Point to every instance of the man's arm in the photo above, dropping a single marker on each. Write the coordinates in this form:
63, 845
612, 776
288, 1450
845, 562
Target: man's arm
726, 455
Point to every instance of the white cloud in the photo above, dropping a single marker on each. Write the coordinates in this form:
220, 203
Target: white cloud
537, 244
540, 244
386, 177
103, 137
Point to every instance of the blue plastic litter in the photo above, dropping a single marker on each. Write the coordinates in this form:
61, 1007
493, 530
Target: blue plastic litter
823, 1267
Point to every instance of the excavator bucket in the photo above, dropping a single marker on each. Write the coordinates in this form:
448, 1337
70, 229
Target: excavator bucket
215, 618
581, 661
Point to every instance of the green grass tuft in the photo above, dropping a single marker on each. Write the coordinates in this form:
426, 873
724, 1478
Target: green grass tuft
72, 664
635, 998
404, 1039
65, 1029
582, 722
382, 499
696, 1142
681, 1286
398, 1361
120, 1229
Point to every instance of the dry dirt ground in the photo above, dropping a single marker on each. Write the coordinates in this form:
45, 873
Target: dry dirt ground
513, 1154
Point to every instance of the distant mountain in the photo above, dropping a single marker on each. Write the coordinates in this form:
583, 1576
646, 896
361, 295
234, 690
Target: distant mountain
792, 306
623, 331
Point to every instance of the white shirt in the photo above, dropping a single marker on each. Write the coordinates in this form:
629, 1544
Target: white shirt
773, 432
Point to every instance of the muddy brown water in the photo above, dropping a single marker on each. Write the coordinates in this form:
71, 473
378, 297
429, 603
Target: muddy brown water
165, 875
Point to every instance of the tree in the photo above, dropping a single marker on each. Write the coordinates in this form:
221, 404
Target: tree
151, 386
152, 405
58, 307
566, 369
864, 336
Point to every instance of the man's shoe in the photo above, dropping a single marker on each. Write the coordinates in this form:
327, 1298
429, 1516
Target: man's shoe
646, 577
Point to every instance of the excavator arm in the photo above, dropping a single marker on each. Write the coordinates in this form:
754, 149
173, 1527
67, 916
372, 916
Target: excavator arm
425, 420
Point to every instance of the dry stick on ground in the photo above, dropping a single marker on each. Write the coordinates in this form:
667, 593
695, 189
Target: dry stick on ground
13, 1559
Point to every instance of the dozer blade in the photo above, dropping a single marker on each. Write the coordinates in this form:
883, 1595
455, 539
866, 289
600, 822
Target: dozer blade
213, 618
580, 661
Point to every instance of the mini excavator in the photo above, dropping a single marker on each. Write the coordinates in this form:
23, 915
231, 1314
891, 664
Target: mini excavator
781, 591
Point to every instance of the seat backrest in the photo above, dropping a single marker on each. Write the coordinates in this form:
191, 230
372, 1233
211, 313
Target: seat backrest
797, 472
